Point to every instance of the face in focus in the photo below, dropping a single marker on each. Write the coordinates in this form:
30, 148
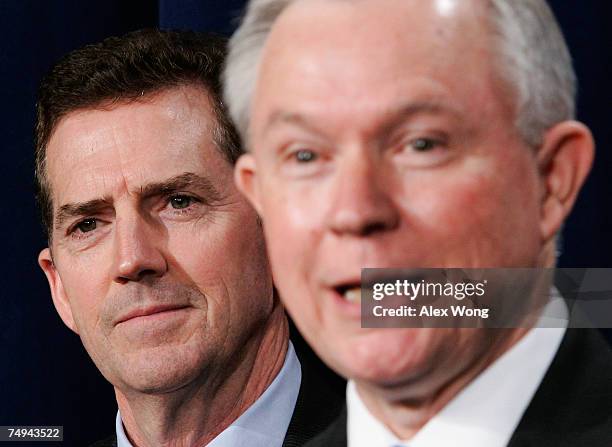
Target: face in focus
158, 262
381, 136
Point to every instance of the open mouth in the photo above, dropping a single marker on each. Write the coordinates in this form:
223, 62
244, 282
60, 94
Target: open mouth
349, 292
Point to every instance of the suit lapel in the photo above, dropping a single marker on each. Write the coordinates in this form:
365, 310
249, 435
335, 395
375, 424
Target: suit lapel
333, 436
572, 406
320, 400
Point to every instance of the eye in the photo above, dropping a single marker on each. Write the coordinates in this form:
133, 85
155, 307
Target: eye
305, 156
423, 144
422, 149
86, 225
181, 202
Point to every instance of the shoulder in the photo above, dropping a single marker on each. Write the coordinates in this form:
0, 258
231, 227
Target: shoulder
572, 404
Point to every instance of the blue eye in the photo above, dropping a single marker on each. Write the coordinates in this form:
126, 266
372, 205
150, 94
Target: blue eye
423, 144
86, 225
305, 156
181, 202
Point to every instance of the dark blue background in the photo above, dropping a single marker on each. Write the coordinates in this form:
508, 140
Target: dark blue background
45, 375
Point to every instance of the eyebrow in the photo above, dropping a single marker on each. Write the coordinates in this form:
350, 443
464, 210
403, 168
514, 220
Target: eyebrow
186, 180
180, 182
71, 210
390, 118
395, 116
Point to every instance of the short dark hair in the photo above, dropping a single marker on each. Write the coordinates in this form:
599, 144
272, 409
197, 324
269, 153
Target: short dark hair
123, 69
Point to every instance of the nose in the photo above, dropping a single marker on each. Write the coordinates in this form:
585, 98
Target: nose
362, 204
137, 253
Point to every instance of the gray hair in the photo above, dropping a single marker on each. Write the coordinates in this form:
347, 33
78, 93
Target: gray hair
528, 44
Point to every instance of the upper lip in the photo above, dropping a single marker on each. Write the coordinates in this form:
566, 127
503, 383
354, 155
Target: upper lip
148, 310
340, 285
344, 283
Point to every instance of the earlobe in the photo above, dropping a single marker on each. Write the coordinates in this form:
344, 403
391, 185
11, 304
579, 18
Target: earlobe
60, 300
564, 160
245, 174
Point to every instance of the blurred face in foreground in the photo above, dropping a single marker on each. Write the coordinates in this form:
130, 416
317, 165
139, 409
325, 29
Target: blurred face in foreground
158, 262
382, 136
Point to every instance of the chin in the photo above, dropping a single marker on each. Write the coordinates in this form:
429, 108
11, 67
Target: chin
386, 357
161, 370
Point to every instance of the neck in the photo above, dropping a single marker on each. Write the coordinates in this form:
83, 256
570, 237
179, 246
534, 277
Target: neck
406, 417
195, 414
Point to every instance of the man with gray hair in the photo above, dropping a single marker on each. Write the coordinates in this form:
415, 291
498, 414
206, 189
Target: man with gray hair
416, 134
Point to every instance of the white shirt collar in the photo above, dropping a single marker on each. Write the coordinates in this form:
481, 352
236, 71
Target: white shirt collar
487, 411
263, 424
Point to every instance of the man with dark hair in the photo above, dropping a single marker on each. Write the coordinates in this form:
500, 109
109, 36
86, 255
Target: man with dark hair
155, 260
124, 69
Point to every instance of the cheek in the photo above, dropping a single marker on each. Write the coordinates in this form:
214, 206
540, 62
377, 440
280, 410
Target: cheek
453, 205
294, 208
292, 238
85, 283
287, 253
293, 225
473, 215
86, 289
225, 258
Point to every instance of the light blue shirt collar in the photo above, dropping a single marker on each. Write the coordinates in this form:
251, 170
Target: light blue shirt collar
263, 424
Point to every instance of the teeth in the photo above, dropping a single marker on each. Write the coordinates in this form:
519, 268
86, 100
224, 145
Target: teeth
353, 295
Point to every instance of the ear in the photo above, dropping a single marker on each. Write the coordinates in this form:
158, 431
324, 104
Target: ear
60, 300
564, 159
245, 174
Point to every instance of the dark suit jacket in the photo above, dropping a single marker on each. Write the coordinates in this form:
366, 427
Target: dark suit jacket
319, 402
571, 408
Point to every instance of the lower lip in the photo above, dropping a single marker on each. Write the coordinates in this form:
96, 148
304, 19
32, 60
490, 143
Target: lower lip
347, 309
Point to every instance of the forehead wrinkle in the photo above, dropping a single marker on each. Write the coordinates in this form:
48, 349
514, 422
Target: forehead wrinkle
113, 140
122, 159
172, 184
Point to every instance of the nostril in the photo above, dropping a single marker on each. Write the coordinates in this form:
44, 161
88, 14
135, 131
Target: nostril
147, 272
138, 275
372, 228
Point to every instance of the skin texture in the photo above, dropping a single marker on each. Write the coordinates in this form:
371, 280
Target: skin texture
381, 136
168, 236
